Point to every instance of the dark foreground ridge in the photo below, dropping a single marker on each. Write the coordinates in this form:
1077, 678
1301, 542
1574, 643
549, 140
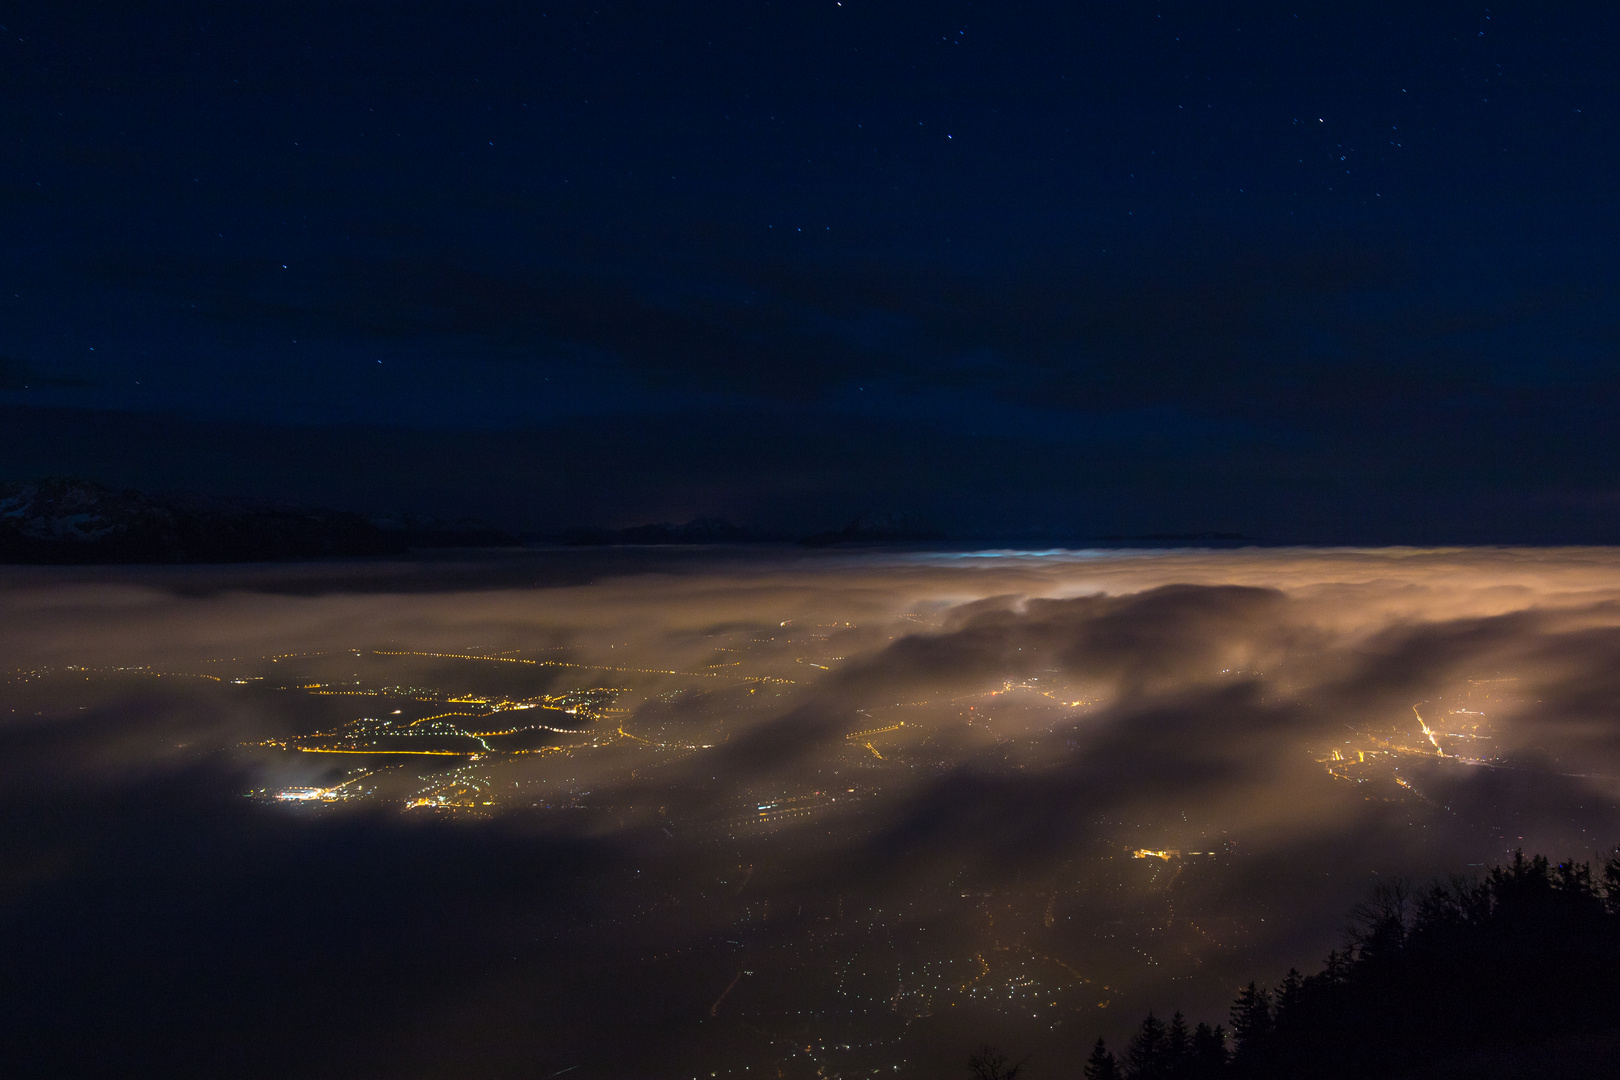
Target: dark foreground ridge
1515, 975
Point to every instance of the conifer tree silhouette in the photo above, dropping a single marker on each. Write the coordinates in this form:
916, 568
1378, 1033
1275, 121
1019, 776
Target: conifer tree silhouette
1337, 968
1251, 1017
1378, 925
1147, 1056
1207, 1059
1611, 882
1101, 1064
988, 1063
1517, 962
1177, 1045
1289, 992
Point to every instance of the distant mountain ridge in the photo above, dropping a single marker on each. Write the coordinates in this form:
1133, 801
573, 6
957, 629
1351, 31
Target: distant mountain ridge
72, 520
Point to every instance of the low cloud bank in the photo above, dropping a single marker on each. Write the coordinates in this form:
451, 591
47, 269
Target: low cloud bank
806, 767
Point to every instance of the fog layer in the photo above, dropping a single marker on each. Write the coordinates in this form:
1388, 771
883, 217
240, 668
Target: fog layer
646, 812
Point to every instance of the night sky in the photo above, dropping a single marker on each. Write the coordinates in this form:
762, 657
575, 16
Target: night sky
1337, 273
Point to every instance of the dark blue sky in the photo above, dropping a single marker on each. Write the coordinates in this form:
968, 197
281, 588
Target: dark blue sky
1340, 273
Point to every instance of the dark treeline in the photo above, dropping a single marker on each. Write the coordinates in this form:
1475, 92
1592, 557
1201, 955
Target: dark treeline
1516, 973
